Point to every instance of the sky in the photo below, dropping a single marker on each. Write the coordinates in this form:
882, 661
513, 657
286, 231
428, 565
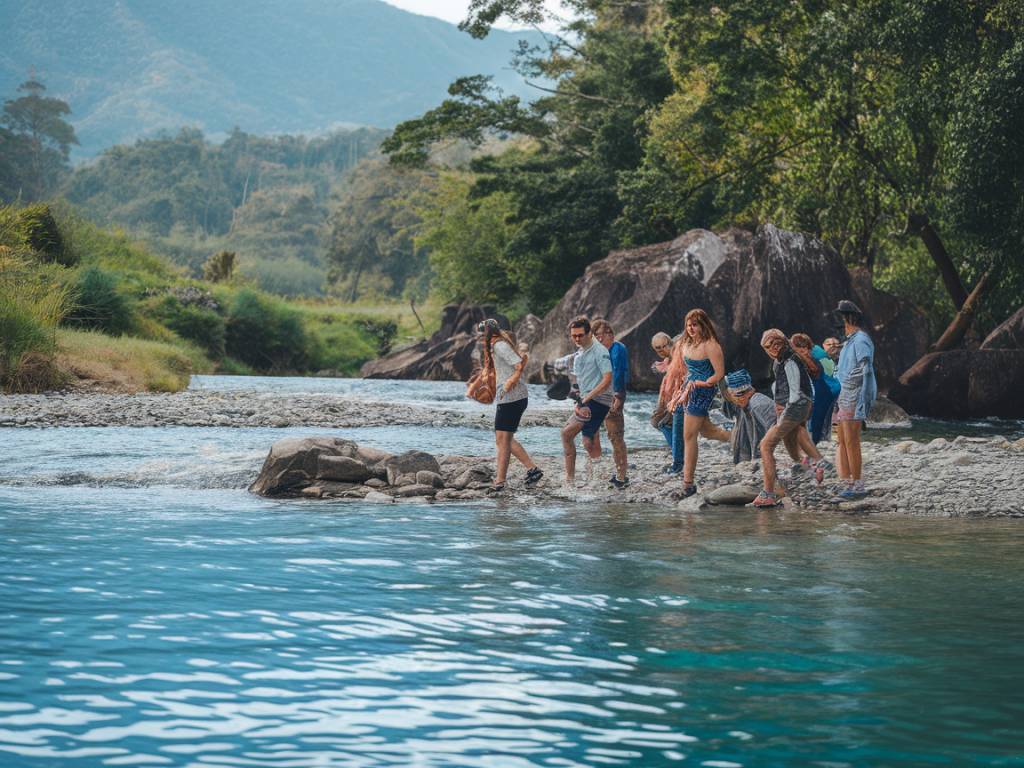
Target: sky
455, 10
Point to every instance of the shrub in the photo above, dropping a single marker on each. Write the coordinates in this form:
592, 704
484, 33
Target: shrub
194, 322
35, 228
220, 267
266, 335
98, 304
31, 306
383, 333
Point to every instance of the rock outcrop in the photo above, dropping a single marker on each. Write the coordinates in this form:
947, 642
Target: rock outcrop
963, 384
448, 355
328, 467
746, 282
1008, 335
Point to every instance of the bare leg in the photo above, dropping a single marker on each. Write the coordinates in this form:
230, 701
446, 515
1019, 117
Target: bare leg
502, 440
616, 426
806, 444
691, 428
712, 431
842, 460
792, 446
569, 432
768, 443
592, 445
520, 453
852, 440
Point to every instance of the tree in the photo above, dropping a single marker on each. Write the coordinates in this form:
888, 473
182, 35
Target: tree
46, 136
220, 267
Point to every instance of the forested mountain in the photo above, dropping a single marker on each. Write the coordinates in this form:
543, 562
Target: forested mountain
265, 198
131, 68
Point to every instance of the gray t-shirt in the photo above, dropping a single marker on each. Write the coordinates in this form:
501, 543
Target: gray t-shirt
505, 362
590, 366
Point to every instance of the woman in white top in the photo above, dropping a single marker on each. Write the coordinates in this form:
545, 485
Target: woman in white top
511, 398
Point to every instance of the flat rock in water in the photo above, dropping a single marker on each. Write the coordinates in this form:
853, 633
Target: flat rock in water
293, 462
736, 495
416, 489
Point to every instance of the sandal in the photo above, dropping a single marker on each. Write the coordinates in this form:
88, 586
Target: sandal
766, 500
533, 476
496, 488
688, 490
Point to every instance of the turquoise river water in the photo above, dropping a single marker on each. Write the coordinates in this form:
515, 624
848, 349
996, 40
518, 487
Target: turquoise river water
153, 613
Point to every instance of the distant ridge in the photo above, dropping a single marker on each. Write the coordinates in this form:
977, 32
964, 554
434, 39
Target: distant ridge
134, 68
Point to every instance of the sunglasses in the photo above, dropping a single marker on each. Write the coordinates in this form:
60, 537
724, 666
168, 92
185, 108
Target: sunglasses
577, 335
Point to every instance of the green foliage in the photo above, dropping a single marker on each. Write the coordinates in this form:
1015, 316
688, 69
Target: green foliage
98, 303
220, 267
372, 241
561, 190
265, 199
266, 334
32, 303
193, 322
467, 241
34, 143
383, 333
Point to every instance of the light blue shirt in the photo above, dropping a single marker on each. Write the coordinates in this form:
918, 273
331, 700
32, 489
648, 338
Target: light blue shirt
856, 372
590, 365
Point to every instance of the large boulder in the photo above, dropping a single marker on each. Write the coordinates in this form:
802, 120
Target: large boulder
448, 355
964, 384
294, 463
1008, 335
746, 281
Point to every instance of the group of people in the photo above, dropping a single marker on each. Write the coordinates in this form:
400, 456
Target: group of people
814, 388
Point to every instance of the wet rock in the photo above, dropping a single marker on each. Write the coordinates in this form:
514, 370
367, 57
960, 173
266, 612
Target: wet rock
377, 497
342, 469
370, 456
886, 414
410, 462
293, 462
375, 483
425, 477
416, 489
331, 488
691, 504
313, 491
733, 495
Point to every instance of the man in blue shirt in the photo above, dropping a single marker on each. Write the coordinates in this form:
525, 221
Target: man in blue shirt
592, 368
615, 421
856, 374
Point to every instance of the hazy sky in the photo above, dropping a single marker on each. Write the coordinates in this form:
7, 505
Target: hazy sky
450, 10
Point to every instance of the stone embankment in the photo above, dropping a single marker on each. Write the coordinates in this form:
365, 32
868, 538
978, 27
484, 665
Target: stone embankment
966, 477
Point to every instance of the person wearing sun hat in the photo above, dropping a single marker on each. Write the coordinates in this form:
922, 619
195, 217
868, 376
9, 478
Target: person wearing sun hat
753, 414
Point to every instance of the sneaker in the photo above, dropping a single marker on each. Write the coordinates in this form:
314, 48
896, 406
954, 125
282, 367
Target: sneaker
533, 477
671, 470
619, 485
853, 493
688, 491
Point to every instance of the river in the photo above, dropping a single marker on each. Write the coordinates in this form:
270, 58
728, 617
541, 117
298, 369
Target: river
154, 613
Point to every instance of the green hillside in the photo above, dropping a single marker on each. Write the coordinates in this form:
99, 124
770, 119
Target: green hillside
137, 67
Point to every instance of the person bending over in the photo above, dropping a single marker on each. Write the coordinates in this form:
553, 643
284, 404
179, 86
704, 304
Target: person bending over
793, 400
753, 414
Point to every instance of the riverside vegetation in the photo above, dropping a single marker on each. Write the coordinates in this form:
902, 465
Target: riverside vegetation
81, 303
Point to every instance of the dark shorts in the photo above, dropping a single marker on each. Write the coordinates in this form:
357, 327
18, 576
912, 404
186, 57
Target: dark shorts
597, 413
508, 415
701, 398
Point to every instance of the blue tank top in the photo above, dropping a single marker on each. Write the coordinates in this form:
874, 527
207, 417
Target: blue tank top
699, 370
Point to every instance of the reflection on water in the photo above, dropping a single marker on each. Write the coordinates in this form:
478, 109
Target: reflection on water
182, 627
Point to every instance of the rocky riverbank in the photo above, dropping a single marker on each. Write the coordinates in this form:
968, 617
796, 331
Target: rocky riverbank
966, 477
242, 408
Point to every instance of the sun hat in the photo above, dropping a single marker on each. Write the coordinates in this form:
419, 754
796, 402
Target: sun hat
739, 381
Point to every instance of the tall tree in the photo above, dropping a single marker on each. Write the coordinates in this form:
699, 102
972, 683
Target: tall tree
46, 136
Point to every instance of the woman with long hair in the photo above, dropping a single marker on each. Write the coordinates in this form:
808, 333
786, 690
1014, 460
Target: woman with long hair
826, 387
705, 366
510, 398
